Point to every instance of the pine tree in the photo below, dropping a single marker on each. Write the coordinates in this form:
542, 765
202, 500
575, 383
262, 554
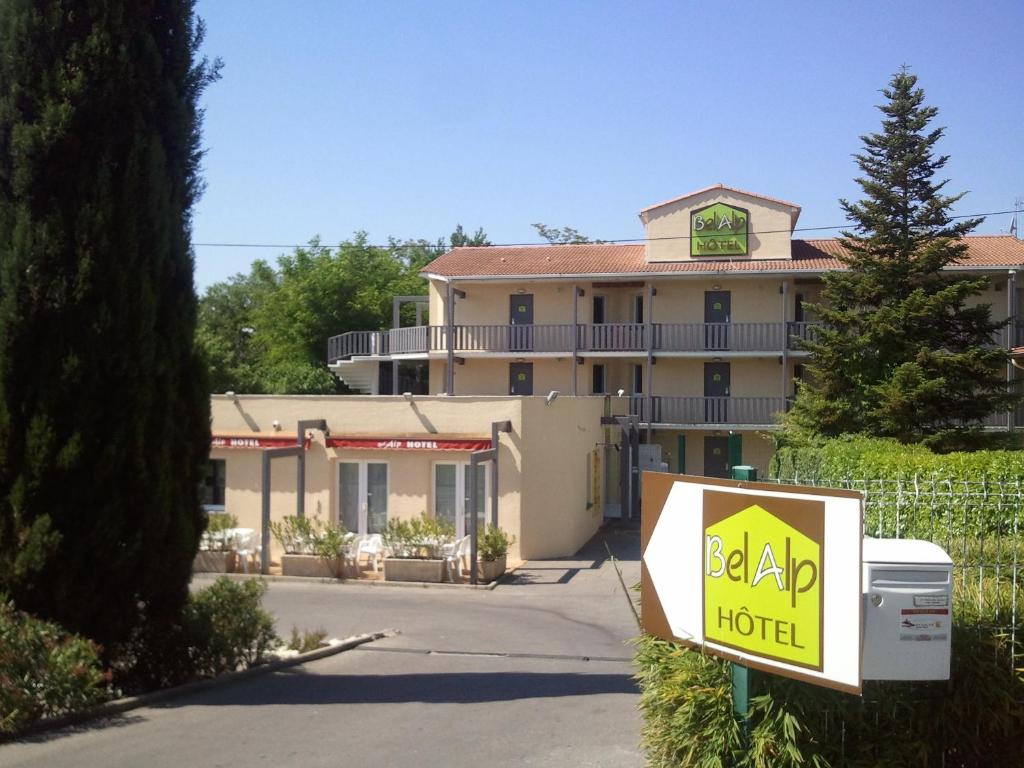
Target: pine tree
901, 354
104, 412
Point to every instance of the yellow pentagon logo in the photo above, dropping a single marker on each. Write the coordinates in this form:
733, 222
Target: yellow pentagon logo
763, 582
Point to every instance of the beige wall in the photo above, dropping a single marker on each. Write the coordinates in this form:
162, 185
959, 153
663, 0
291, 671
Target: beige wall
772, 220
556, 440
557, 444
749, 377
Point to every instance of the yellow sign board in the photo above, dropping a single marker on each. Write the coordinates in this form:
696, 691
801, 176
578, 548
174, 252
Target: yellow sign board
765, 575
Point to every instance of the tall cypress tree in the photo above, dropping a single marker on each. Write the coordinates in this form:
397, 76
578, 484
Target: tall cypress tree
901, 354
104, 412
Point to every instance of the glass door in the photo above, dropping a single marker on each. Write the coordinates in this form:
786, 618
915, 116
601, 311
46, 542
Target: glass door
451, 495
363, 496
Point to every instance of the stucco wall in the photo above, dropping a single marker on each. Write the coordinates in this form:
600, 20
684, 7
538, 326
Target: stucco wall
557, 444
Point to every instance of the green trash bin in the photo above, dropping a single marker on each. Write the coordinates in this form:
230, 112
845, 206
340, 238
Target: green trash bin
744, 472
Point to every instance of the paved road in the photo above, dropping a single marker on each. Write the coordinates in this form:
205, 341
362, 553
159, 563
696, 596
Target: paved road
534, 673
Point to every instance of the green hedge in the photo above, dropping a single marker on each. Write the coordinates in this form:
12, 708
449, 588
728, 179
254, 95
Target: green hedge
44, 670
971, 503
849, 458
976, 719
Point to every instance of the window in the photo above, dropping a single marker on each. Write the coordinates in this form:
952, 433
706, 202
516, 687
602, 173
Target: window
211, 490
598, 310
638, 379
451, 494
598, 384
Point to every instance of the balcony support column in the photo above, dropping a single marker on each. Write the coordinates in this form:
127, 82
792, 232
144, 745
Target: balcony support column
649, 346
449, 311
574, 341
784, 290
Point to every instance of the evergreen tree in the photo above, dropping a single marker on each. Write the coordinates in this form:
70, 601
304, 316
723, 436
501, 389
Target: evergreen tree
901, 354
104, 412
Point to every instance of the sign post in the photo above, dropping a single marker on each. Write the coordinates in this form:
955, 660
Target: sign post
765, 576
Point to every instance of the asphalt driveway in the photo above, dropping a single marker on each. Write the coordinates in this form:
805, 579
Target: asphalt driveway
536, 672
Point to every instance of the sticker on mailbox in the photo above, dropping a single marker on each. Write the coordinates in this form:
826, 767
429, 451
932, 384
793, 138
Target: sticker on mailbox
924, 624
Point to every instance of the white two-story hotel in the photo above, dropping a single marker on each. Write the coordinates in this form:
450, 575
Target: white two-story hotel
679, 352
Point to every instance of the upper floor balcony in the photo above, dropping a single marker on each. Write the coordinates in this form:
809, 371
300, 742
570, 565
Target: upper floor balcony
605, 339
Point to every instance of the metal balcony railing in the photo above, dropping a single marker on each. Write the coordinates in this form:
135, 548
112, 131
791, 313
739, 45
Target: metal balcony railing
749, 411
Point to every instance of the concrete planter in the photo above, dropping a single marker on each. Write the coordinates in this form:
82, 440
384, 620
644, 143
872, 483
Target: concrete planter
214, 562
310, 565
406, 569
489, 570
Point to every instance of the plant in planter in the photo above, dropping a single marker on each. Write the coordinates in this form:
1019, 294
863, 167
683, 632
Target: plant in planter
217, 546
492, 551
311, 547
415, 549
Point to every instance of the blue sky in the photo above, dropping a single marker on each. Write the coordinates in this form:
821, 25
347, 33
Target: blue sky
405, 118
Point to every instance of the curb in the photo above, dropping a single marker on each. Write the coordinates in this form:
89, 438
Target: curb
128, 703
204, 576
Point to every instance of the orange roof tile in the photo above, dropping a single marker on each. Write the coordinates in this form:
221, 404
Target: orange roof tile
812, 256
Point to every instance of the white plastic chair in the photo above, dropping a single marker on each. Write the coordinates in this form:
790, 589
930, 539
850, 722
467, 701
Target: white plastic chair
372, 546
247, 544
353, 541
454, 554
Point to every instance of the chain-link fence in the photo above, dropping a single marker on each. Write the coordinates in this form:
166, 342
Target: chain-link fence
977, 522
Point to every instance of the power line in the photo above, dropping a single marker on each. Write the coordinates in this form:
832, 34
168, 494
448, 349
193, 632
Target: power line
638, 240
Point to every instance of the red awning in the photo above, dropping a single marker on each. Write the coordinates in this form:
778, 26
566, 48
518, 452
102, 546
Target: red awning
252, 441
410, 443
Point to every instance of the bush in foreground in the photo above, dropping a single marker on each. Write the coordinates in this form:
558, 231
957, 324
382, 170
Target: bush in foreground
974, 719
44, 670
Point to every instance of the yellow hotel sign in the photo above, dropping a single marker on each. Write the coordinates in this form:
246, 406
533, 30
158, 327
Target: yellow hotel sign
766, 575
762, 581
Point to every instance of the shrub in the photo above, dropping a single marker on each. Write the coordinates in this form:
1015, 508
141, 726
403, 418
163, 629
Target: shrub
419, 538
44, 670
493, 542
306, 640
227, 628
294, 534
215, 538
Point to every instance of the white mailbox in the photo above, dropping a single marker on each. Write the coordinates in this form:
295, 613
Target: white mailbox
907, 586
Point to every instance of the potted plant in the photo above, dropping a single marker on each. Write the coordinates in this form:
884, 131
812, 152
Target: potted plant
414, 549
492, 551
311, 547
217, 545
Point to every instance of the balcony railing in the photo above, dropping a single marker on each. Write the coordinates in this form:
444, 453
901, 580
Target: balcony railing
607, 337
707, 410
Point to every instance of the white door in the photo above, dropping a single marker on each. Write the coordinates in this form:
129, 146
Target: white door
451, 494
363, 496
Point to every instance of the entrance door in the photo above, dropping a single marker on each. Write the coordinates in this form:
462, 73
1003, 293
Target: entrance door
716, 393
363, 496
716, 456
520, 378
521, 321
451, 495
717, 311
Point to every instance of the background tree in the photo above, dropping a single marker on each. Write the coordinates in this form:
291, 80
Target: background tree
267, 331
901, 353
104, 413
562, 236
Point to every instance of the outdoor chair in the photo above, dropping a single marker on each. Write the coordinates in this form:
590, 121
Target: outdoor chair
247, 544
372, 546
453, 556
